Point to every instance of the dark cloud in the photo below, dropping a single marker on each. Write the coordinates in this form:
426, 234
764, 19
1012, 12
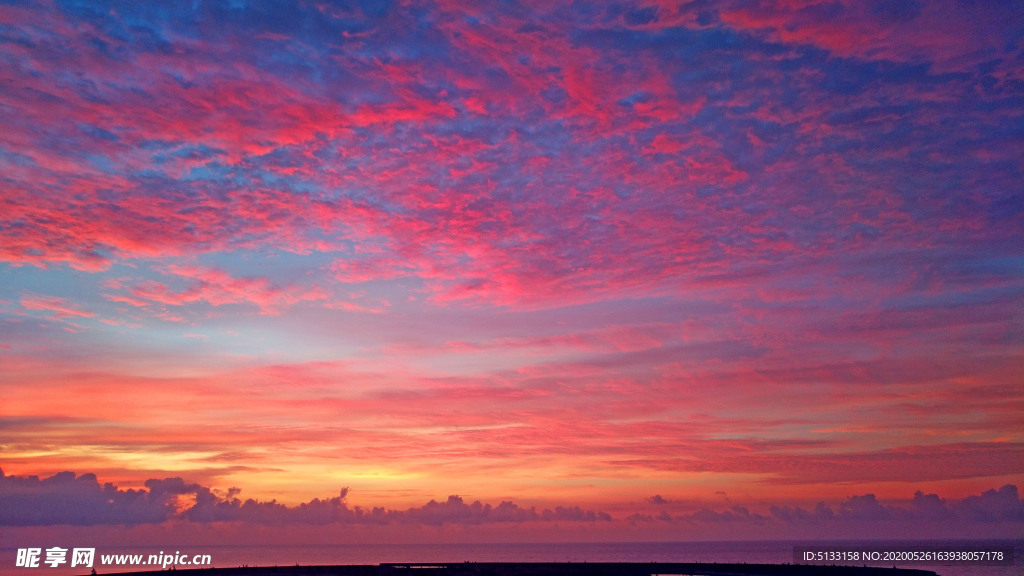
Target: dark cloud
1002, 505
734, 514
79, 500
864, 507
993, 506
931, 507
67, 499
820, 513
454, 510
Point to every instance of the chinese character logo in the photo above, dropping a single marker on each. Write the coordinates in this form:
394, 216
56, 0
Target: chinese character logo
56, 556
28, 557
83, 557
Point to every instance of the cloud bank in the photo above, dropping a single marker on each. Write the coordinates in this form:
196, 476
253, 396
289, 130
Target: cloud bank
67, 499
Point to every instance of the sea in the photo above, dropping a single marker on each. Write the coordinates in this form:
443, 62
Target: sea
750, 552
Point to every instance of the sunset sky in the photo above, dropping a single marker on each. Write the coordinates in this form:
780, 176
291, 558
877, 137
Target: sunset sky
649, 265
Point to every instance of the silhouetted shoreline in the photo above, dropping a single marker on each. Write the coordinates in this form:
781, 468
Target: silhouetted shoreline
549, 569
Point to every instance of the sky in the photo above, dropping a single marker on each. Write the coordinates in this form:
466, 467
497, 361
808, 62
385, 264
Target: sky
512, 270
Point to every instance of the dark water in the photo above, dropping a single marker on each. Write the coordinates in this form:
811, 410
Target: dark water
228, 556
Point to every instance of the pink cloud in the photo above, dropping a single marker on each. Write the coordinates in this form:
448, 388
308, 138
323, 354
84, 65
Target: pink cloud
217, 288
60, 307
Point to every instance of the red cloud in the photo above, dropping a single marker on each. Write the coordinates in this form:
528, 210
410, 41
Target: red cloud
943, 31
